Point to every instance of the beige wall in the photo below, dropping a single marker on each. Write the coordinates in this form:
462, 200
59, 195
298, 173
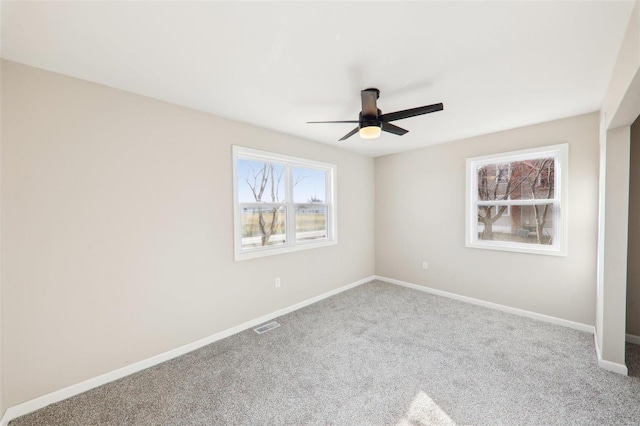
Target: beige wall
615, 245
420, 202
117, 229
620, 108
633, 265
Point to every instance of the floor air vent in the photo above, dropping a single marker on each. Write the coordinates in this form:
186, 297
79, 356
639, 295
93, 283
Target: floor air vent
266, 327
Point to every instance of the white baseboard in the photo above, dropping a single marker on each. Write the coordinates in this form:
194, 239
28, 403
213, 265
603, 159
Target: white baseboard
62, 394
633, 339
614, 367
608, 365
496, 306
595, 340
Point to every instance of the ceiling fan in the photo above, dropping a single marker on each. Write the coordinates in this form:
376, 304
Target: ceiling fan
371, 122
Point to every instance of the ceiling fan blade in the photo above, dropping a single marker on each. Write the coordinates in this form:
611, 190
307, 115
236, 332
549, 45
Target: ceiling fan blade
399, 115
347, 121
351, 133
391, 128
369, 106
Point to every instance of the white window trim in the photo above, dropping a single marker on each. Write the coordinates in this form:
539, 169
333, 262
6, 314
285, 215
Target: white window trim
559, 248
241, 152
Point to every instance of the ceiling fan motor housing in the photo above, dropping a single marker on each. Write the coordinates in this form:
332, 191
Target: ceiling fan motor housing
369, 120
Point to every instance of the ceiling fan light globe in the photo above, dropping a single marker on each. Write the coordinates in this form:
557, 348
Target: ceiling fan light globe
370, 132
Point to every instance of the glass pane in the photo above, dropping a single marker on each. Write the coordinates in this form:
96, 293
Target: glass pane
263, 227
309, 185
524, 224
260, 182
311, 222
519, 180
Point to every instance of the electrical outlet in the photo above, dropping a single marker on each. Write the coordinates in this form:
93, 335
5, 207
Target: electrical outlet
278, 282
425, 265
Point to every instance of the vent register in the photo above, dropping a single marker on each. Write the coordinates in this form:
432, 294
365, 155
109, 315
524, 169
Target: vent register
266, 327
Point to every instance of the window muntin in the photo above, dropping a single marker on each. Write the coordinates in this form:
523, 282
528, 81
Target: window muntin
528, 186
282, 203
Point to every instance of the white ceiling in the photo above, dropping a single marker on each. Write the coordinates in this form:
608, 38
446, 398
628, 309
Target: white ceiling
494, 65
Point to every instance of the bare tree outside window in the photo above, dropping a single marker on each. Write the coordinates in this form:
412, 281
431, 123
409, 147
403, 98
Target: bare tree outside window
264, 183
544, 177
510, 183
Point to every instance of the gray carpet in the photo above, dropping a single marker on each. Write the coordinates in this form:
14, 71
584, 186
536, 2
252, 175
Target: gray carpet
378, 354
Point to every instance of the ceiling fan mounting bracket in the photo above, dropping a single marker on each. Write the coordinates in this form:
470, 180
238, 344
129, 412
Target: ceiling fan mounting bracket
373, 89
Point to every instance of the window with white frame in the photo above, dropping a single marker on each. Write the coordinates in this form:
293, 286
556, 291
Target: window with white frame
281, 203
517, 201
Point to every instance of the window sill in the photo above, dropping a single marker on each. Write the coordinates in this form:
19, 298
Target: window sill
281, 250
518, 248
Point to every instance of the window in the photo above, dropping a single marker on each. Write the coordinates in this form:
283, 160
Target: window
282, 203
517, 201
